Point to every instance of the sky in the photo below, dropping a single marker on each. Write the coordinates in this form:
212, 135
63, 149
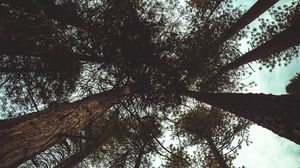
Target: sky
268, 150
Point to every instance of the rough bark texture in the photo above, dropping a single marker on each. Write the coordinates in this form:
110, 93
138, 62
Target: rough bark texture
257, 9
286, 39
280, 114
28, 135
218, 156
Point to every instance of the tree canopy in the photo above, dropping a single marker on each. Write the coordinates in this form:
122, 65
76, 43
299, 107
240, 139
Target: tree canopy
122, 71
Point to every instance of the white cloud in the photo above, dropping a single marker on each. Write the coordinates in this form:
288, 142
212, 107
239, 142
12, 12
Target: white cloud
268, 150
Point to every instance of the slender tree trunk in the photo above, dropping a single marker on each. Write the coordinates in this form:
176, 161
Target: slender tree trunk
217, 154
121, 161
25, 136
280, 114
140, 156
256, 10
286, 39
77, 158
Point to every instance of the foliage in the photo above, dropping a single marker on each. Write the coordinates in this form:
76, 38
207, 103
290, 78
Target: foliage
281, 17
129, 41
179, 159
225, 131
36, 64
293, 88
199, 52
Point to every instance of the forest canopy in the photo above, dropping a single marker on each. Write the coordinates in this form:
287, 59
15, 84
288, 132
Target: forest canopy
99, 83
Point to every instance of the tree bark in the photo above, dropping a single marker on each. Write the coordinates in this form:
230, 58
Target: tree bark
218, 156
280, 114
25, 136
256, 10
286, 39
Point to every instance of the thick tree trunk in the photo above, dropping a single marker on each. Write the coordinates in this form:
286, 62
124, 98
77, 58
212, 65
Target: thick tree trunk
257, 9
25, 136
218, 156
286, 39
280, 114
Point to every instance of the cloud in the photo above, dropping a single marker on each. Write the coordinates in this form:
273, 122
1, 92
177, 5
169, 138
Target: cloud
268, 150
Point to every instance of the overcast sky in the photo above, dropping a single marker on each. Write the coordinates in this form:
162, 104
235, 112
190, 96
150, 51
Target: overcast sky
269, 150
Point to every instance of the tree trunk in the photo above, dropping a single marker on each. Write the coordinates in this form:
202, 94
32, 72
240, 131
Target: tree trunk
218, 156
120, 162
286, 39
77, 158
280, 114
25, 136
140, 156
256, 10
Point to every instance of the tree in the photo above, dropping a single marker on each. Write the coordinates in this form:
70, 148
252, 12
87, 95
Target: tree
198, 52
35, 132
132, 148
36, 60
102, 132
216, 132
145, 138
257, 9
276, 113
179, 159
122, 41
121, 67
107, 129
290, 36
